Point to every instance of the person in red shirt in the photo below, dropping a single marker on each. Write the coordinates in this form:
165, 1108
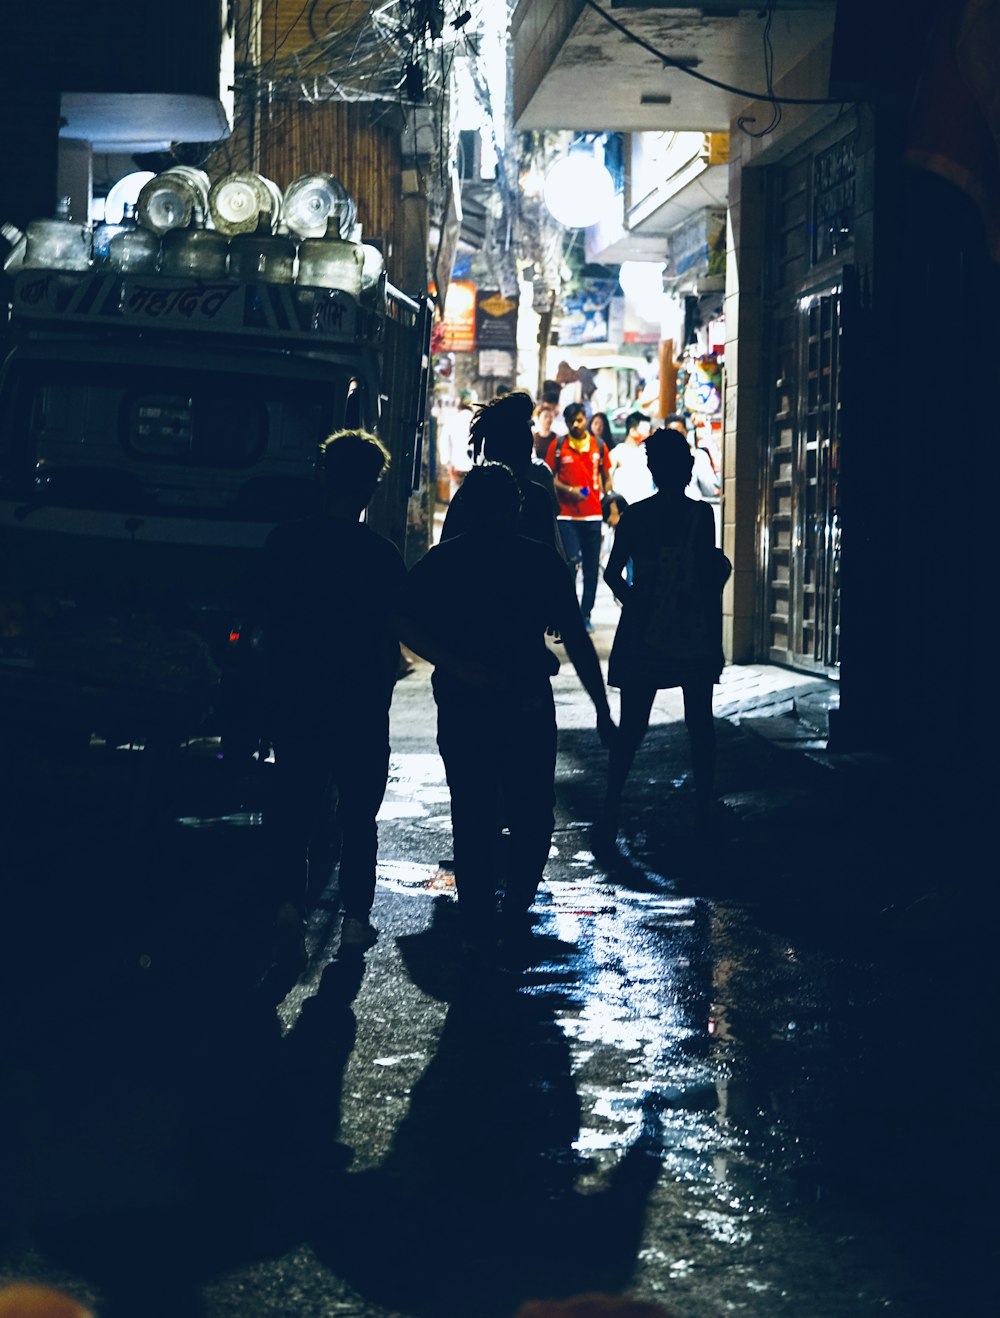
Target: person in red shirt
580, 466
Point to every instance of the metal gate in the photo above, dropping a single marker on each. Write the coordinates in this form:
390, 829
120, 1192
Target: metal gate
802, 528
800, 543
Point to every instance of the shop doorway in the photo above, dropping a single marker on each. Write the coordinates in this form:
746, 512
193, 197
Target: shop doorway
811, 204
802, 525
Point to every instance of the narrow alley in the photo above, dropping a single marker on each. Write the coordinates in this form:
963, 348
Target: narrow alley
738, 1074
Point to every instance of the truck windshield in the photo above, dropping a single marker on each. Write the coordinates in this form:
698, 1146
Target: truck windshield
162, 438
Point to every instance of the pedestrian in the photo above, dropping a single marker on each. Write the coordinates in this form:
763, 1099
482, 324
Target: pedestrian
600, 428
670, 631
501, 432
629, 471
543, 419
477, 607
332, 590
579, 465
704, 482
454, 443
629, 476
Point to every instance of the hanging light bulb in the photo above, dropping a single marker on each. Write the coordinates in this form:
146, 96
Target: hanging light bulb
578, 191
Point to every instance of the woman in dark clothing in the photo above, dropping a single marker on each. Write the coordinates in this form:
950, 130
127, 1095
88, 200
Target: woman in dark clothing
670, 632
600, 428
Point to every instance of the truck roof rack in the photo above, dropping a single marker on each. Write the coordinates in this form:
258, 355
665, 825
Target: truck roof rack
292, 312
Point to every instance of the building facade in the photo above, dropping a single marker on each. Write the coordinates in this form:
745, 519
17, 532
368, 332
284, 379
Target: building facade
849, 275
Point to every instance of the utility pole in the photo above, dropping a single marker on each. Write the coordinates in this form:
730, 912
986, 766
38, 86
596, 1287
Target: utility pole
545, 311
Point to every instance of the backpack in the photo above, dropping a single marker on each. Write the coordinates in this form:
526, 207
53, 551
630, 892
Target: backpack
682, 622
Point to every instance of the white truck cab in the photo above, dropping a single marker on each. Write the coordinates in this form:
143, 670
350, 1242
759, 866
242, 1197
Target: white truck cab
153, 430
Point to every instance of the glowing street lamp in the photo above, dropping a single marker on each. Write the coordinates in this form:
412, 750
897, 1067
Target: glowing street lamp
578, 191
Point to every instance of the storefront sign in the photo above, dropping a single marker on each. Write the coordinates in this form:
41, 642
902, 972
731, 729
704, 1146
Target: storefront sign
698, 246
458, 329
587, 313
833, 199
496, 364
496, 321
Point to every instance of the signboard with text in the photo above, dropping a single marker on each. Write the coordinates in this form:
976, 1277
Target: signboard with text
496, 321
458, 328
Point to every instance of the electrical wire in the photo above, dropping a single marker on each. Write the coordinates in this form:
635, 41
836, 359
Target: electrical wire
744, 120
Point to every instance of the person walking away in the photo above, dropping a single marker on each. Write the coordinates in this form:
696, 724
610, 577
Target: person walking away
670, 631
332, 591
477, 607
579, 465
501, 431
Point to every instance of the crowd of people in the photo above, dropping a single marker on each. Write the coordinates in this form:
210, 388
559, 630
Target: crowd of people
524, 523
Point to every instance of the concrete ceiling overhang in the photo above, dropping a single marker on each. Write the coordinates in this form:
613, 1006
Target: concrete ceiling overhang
573, 70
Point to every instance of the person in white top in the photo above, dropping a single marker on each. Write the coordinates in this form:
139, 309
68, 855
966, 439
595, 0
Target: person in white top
455, 445
629, 471
629, 477
704, 482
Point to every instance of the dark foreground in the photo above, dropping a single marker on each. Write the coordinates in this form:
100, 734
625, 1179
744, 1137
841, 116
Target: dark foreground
748, 1073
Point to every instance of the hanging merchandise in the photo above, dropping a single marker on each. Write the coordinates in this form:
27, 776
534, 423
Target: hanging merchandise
702, 385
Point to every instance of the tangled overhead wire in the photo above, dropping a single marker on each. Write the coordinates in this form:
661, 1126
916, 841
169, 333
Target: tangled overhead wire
348, 50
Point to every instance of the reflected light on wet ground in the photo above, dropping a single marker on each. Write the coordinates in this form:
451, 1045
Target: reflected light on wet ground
238, 819
404, 876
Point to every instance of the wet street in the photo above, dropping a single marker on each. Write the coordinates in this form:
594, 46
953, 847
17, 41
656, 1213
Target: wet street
741, 1073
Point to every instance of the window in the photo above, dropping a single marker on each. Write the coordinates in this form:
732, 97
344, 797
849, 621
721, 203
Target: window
210, 427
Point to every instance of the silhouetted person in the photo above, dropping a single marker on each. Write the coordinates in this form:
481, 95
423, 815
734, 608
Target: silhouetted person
488, 1145
670, 632
478, 607
501, 432
332, 590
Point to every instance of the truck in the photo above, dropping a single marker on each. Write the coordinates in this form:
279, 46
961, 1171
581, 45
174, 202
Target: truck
153, 430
